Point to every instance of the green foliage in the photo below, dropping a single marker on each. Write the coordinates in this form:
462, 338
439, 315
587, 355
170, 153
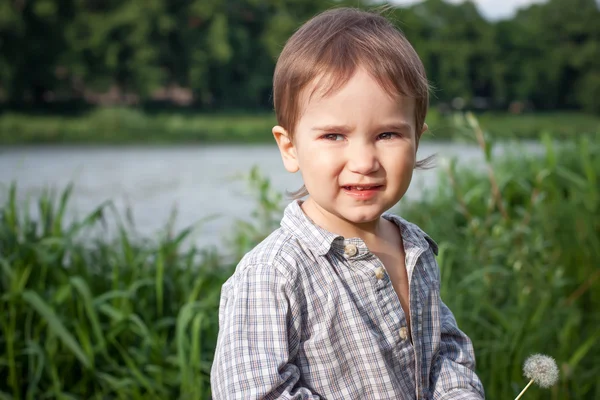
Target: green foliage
265, 219
225, 52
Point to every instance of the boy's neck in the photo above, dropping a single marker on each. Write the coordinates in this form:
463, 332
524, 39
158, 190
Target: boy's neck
371, 232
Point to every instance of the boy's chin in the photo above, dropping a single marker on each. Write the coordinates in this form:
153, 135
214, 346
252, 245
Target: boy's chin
356, 214
362, 215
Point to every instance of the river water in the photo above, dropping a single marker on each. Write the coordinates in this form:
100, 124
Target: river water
198, 181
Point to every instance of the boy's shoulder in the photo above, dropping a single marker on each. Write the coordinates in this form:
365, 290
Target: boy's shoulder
295, 244
280, 251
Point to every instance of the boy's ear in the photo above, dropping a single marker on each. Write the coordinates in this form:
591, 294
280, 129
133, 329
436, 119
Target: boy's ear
421, 132
425, 128
286, 148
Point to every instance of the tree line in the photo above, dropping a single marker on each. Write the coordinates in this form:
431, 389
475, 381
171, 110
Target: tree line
220, 54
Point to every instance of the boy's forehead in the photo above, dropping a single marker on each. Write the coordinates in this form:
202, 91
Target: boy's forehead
326, 85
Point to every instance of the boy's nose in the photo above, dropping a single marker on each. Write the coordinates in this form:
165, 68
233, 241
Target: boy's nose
362, 159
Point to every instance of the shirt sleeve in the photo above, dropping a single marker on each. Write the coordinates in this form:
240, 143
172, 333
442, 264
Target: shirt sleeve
259, 324
453, 372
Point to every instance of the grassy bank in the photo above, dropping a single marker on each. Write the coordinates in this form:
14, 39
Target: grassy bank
135, 318
130, 126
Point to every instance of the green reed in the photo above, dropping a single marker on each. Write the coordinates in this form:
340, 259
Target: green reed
85, 317
519, 257
90, 316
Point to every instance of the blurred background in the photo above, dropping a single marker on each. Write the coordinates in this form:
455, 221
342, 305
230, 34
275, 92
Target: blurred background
137, 166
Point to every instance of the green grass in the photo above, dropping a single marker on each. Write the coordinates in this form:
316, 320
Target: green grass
531, 125
86, 317
97, 319
131, 126
520, 265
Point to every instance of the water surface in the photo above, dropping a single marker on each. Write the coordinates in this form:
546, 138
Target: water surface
198, 181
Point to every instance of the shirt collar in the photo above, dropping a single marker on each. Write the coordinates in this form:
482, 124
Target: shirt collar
321, 241
412, 233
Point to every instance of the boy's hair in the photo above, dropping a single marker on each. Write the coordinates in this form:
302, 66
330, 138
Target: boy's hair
331, 46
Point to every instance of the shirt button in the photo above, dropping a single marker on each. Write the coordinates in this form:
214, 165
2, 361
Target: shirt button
403, 333
350, 250
380, 273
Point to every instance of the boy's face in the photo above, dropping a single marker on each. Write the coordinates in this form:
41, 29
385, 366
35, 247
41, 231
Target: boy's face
356, 149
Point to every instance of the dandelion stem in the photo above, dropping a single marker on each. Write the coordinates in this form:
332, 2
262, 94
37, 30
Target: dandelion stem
523, 391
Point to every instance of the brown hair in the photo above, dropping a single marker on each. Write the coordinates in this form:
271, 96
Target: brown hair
332, 45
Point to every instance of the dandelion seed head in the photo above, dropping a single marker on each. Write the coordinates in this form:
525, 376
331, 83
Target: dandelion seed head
542, 369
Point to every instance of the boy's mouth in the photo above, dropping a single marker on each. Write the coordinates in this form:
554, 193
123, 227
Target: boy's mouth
363, 187
362, 192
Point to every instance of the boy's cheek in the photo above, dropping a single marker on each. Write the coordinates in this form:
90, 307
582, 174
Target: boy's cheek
321, 164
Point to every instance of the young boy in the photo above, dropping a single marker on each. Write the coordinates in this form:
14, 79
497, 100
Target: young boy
342, 301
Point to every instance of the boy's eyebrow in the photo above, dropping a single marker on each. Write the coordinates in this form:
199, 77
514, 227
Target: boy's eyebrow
396, 126
332, 128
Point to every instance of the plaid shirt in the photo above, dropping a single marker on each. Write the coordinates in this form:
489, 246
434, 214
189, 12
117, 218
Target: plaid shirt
312, 315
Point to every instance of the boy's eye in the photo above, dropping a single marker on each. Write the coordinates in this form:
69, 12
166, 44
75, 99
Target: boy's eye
387, 135
333, 136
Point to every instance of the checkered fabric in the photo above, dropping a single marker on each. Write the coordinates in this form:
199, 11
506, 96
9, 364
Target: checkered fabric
312, 315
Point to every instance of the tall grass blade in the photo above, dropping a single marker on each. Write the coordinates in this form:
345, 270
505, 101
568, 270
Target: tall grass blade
84, 291
60, 212
54, 323
160, 274
584, 349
